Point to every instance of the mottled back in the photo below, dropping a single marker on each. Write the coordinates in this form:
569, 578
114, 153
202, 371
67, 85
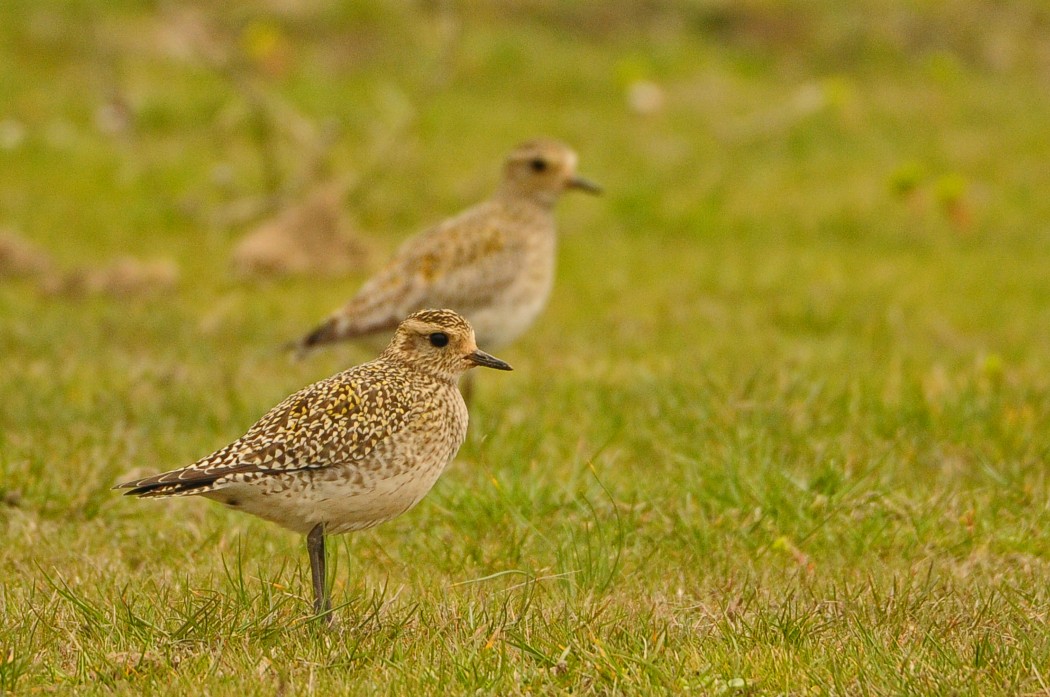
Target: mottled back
339, 421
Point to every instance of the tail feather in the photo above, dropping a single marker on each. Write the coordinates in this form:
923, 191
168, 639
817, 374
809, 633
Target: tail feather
163, 485
162, 490
323, 334
337, 328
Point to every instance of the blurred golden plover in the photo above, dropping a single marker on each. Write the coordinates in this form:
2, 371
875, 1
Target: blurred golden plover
493, 263
351, 451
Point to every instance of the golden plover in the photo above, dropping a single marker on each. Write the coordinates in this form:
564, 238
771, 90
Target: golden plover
351, 451
493, 263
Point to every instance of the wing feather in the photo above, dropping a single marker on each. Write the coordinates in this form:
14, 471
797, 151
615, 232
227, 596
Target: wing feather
332, 422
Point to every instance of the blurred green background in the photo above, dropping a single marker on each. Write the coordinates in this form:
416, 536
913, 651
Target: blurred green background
804, 342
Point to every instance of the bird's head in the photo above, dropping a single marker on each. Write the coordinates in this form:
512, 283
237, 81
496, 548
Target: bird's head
439, 342
541, 170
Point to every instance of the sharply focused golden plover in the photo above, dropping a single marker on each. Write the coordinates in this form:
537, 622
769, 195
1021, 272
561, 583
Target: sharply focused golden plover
351, 451
493, 263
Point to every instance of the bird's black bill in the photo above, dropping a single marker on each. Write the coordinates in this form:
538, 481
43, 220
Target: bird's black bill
584, 184
481, 358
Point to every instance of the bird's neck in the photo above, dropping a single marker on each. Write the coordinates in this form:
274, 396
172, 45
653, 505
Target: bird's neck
392, 358
537, 201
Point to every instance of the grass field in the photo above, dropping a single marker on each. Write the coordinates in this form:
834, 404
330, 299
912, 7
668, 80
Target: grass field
783, 429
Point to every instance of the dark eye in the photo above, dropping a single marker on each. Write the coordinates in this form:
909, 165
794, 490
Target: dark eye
538, 165
439, 339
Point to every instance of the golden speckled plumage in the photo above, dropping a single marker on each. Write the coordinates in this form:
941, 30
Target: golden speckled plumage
350, 451
493, 263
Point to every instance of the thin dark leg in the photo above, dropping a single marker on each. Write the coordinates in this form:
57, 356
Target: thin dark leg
315, 548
